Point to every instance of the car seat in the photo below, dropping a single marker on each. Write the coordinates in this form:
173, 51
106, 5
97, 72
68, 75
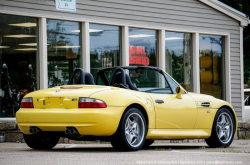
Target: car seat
118, 80
129, 83
89, 80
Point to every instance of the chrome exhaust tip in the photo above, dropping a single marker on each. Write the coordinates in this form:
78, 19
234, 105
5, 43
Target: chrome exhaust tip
34, 130
31, 130
67, 131
72, 131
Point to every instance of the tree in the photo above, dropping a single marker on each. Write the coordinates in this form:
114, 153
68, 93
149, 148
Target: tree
243, 6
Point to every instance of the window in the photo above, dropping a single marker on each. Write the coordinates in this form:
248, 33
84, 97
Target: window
247, 98
172, 83
148, 80
18, 51
104, 47
142, 47
211, 66
179, 58
63, 50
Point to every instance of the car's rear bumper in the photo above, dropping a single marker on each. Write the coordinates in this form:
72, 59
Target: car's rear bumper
95, 122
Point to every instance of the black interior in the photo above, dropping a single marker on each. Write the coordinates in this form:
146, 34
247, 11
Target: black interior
129, 83
117, 80
84, 78
89, 80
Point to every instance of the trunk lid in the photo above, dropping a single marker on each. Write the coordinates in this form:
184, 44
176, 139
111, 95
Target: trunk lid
63, 96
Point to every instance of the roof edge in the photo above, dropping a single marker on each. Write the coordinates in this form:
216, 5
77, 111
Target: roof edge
231, 12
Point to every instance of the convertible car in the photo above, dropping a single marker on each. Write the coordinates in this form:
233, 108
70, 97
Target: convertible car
128, 106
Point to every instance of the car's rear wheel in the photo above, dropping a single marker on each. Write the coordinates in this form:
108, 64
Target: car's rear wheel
131, 133
223, 129
41, 141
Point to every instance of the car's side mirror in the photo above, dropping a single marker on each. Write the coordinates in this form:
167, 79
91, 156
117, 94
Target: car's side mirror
179, 90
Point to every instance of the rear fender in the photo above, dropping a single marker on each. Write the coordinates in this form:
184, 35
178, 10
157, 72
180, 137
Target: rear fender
117, 97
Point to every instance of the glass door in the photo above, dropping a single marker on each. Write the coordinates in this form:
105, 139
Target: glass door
18, 61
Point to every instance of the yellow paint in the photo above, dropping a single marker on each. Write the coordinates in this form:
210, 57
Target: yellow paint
179, 90
55, 109
98, 122
205, 118
175, 113
162, 134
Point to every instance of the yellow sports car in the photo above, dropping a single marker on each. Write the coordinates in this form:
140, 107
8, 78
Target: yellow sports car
130, 107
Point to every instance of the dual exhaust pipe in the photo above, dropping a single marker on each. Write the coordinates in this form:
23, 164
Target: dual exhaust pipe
68, 131
34, 130
71, 131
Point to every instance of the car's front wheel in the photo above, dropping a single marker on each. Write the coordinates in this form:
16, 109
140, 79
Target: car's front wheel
131, 133
41, 141
223, 129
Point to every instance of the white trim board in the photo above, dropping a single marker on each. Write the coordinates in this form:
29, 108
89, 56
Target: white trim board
43, 53
85, 42
196, 63
125, 46
244, 21
228, 69
242, 73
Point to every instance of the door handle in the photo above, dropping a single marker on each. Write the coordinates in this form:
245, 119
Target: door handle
159, 101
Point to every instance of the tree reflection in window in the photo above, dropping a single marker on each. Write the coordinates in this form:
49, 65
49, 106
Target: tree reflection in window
104, 47
179, 57
63, 38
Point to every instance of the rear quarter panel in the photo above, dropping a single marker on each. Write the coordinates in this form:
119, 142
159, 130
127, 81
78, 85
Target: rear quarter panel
117, 97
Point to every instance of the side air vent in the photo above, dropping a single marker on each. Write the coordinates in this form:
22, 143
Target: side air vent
205, 104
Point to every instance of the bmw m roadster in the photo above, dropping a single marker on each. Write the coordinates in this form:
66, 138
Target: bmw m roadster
128, 106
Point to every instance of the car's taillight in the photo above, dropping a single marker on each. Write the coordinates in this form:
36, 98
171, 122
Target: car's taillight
91, 103
27, 103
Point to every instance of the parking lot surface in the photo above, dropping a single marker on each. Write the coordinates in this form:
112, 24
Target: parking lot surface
158, 153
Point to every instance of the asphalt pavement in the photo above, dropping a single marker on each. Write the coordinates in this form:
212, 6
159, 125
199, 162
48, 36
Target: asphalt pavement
158, 153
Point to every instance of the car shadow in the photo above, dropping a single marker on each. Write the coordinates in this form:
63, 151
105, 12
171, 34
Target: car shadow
82, 148
170, 147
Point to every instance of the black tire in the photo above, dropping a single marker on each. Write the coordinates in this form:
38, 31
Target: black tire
119, 140
148, 142
214, 141
41, 141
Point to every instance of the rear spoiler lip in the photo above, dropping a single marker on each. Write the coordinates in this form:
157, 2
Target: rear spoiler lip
70, 87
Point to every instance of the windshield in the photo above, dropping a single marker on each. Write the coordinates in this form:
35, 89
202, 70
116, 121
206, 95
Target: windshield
144, 79
147, 79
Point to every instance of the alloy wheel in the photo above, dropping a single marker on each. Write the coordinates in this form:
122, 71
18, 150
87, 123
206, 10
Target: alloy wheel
224, 128
134, 129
